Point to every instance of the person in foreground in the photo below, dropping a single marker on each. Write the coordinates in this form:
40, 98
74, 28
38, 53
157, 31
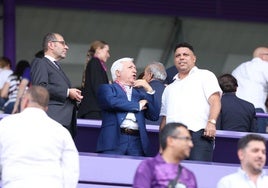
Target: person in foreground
165, 170
124, 109
35, 150
252, 156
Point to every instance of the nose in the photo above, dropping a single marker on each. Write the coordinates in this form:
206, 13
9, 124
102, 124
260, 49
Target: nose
66, 47
191, 144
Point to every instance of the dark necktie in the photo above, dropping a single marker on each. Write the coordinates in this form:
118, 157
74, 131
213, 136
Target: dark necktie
57, 65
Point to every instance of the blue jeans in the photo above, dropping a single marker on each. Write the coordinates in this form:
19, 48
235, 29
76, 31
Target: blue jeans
203, 148
129, 145
261, 121
9, 108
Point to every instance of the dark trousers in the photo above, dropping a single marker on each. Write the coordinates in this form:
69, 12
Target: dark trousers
203, 148
129, 145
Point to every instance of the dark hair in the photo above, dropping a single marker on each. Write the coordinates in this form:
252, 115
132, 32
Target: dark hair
20, 67
40, 54
184, 45
39, 95
47, 38
243, 142
168, 130
228, 83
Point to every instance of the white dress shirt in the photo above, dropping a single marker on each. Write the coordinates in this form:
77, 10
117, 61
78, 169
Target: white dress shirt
36, 151
241, 180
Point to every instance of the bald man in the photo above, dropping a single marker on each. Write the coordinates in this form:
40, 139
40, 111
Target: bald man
252, 77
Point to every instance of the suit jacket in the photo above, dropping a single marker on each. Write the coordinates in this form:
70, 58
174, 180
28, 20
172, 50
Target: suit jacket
159, 87
115, 106
94, 77
236, 114
60, 107
171, 72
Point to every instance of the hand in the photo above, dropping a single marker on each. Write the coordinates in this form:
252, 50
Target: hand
210, 130
75, 94
144, 84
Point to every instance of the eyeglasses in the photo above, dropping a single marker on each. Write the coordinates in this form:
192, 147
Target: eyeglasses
60, 41
186, 138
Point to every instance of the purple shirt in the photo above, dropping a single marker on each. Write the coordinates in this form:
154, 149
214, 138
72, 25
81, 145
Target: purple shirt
155, 172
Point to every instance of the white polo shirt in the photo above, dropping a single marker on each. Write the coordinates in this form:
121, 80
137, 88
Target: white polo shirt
186, 100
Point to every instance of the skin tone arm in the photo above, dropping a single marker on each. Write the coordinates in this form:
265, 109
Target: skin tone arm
4, 92
163, 123
215, 107
144, 84
22, 87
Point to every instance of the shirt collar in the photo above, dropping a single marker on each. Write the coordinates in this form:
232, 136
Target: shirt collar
176, 77
50, 58
245, 175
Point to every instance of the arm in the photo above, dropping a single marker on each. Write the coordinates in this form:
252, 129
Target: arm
215, 107
253, 123
163, 123
22, 87
4, 92
111, 99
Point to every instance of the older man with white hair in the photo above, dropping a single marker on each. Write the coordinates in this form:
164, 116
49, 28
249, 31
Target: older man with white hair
124, 109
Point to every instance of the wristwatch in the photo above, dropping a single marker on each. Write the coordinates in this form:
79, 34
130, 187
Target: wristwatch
212, 121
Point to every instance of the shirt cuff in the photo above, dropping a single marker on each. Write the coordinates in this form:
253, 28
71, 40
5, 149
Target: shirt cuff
151, 92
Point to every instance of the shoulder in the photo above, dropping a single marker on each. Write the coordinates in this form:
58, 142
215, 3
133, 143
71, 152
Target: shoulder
93, 61
204, 72
188, 171
146, 165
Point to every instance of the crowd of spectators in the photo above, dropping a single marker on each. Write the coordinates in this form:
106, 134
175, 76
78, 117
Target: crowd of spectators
186, 102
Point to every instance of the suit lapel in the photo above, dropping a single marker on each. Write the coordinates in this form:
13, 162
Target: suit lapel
59, 71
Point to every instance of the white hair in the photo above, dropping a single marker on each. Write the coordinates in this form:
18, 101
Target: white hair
118, 65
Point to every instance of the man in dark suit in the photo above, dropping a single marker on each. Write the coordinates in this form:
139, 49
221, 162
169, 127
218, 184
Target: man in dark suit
236, 114
48, 73
155, 74
124, 109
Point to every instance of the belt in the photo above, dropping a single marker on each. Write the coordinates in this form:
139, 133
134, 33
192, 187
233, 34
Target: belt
130, 131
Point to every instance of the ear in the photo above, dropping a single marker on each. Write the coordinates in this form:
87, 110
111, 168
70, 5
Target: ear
240, 154
117, 73
194, 59
50, 45
170, 141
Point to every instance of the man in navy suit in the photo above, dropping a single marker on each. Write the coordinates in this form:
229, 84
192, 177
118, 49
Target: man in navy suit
236, 114
47, 73
124, 109
155, 74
